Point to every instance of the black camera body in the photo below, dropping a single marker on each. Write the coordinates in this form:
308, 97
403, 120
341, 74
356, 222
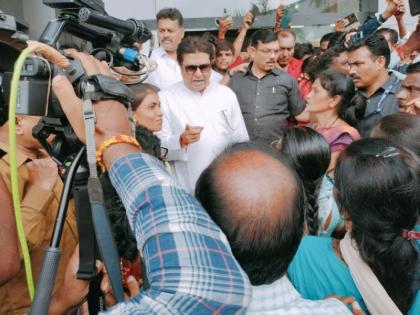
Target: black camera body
35, 96
85, 26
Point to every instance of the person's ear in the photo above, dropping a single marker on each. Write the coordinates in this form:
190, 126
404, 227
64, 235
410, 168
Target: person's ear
380, 61
19, 125
334, 101
182, 32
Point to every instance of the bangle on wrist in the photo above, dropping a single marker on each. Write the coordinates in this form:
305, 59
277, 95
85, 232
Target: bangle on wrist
114, 140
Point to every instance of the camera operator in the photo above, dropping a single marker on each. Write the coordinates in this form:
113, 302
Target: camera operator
196, 271
40, 190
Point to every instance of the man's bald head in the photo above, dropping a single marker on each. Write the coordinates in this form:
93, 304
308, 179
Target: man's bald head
255, 197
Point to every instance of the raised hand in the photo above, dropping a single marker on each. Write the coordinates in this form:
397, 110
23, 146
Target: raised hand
190, 135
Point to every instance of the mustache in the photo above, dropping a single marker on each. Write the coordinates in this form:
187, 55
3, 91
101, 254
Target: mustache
354, 77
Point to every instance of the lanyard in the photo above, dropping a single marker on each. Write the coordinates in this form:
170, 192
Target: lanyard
383, 97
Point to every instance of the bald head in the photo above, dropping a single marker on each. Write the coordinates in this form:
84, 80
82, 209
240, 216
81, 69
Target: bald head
255, 197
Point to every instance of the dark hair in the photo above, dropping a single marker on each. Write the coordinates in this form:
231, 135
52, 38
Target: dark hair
327, 58
211, 38
310, 66
310, 155
194, 44
264, 36
352, 104
302, 49
123, 236
377, 45
402, 129
170, 13
140, 92
393, 34
336, 38
3, 109
326, 37
413, 68
378, 186
224, 45
263, 250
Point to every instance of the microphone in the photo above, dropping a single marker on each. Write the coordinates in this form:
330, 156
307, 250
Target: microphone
133, 29
137, 58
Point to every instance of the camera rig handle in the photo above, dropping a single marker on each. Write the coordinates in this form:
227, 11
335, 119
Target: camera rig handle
133, 30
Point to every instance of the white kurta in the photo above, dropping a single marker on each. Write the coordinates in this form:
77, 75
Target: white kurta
168, 71
217, 110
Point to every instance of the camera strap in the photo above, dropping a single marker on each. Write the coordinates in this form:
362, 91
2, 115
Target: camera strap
103, 232
107, 87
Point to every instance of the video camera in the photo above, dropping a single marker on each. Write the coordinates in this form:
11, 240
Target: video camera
85, 26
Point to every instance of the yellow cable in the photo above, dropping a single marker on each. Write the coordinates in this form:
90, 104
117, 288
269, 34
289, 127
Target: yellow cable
13, 168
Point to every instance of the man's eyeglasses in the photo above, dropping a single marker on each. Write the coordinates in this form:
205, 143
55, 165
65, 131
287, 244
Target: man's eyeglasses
269, 52
191, 69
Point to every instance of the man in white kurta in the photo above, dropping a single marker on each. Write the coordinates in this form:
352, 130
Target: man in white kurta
170, 32
192, 104
168, 71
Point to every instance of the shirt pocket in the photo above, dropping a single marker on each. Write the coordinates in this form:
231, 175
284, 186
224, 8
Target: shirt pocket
222, 122
276, 97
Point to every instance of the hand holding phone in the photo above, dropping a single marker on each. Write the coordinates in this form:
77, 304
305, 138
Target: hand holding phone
255, 12
350, 19
247, 20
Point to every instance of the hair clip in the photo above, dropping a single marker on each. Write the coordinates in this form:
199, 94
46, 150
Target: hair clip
410, 235
388, 152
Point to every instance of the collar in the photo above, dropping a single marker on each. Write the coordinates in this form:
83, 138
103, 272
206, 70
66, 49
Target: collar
21, 158
160, 53
294, 62
281, 294
391, 83
276, 71
195, 93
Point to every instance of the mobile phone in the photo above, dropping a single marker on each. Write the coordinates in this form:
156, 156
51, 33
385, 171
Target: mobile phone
287, 17
414, 7
255, 10
350, 19
217, 20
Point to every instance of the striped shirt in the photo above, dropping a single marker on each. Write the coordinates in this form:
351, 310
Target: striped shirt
281, 298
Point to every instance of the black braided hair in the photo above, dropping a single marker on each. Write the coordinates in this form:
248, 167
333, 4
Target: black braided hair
310, 155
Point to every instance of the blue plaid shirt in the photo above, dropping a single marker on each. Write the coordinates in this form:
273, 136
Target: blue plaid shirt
187, 258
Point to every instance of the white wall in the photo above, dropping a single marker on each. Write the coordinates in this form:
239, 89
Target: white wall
147, 9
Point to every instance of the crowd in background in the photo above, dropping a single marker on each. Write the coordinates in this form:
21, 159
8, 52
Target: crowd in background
275, 177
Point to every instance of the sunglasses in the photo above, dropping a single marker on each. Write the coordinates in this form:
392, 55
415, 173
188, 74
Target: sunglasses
204, 68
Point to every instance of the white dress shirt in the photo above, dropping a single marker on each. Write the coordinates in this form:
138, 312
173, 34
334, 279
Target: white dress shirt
281, 298
168, 71
216, 110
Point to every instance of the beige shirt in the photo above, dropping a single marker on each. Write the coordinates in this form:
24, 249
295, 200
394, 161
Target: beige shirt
39, 210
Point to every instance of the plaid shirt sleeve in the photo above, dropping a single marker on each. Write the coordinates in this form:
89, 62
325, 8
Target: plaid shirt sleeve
188, 261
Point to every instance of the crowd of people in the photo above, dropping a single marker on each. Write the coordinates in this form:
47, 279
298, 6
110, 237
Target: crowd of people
268, 178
